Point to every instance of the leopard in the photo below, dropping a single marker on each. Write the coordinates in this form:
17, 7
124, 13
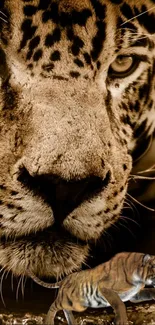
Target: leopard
77, 107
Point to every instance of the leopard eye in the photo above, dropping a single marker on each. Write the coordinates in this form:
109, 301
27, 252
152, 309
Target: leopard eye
123, 66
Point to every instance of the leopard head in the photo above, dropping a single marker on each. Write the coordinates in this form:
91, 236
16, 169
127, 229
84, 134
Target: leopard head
76, 98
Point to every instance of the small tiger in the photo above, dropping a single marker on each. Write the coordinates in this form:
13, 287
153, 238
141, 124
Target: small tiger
121, 279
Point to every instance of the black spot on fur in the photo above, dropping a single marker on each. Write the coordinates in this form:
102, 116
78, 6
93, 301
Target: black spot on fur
147, 20
127, 11
115, 207
107, 210
55, 56
79, 63
10, 206
51, 14
44, 4
87, 58
32, 45
70, 34
124, 167
115, 193
2, 187
28, 32
13, 193
98, 65
37, 55
99, 9
98, 225
98, 39
52, 38
1, 202
77, 45
122, 188
74, 74
29, 10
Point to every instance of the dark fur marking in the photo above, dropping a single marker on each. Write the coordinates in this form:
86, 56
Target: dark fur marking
77, 45
70, 34
30, 10
124, 167
147, 20
79, 63
9, 98
14, 193
55, 56
37, 55
32, 45
98, 39
99, 9
28, 32
52, 38
2, 187
10, 206
127, 11
107, 210
115, 206
1, 202
44, 4
51, 14
74, 74
87, 58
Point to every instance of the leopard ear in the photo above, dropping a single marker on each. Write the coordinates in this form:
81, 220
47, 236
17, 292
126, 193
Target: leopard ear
146, 258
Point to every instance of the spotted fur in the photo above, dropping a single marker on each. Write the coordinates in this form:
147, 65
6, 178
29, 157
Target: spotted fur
70, 123
122, 278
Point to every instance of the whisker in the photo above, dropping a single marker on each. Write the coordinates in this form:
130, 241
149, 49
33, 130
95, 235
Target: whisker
142, 177
1, 287
5, 21
150, 169
128, 219
134, 208
17, 291
142, 13
12, 277
1, 12
138, 202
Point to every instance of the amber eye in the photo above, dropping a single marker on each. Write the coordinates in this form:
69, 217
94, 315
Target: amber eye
123, 66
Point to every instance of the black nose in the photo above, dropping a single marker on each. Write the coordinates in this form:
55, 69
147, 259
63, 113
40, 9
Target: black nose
63, 196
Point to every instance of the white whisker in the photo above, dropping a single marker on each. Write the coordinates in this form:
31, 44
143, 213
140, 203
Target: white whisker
142, 13
5, 21
1, 12
1, 287
143, 205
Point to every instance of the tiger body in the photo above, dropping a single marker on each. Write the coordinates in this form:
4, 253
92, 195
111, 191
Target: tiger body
77, 105
125, 276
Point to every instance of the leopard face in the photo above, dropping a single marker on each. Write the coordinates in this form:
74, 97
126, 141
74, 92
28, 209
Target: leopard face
76, 99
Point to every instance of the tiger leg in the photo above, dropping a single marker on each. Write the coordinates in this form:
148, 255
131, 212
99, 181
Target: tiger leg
145, 294
69, 317
49, 319
117, 304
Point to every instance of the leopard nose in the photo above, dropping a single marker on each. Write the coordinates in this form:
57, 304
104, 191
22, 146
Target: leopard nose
63, 196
